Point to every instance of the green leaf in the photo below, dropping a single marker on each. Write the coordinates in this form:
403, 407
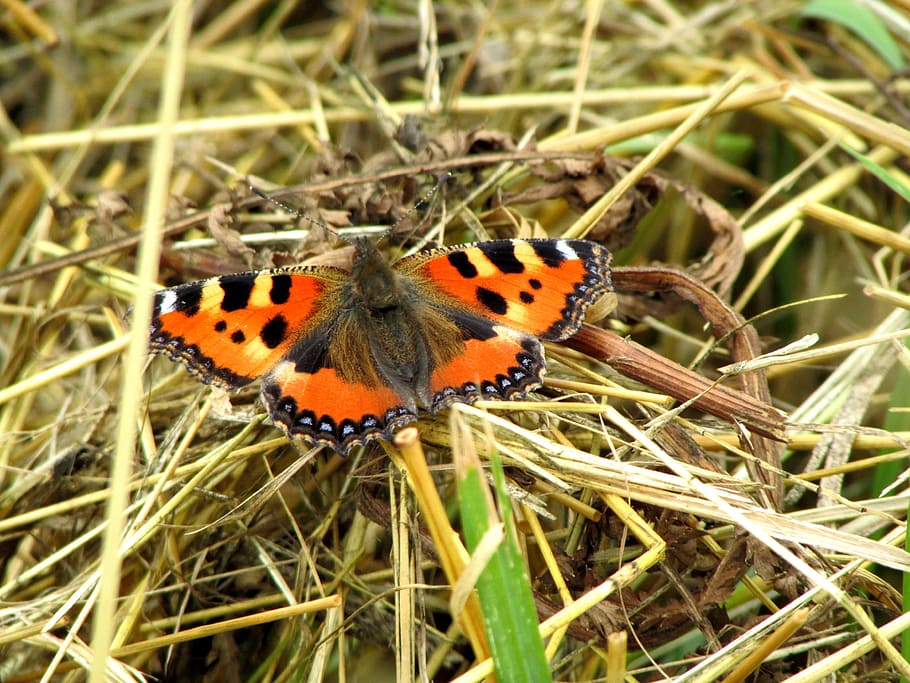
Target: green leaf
864, 23
878, 171
510, 617
897, 420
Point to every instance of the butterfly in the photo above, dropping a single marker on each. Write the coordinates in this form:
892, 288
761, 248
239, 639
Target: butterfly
349, 356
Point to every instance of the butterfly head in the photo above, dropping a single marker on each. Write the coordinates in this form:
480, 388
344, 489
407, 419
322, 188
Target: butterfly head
374, 285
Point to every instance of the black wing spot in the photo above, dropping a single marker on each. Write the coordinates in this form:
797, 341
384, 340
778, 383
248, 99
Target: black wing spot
474, 327
548, 252
526, 297
534, 283
238, 337
493, 301
188, 298
310, 355
502, 255
461, 263
281, 289
237, 290
274, 332
221, 326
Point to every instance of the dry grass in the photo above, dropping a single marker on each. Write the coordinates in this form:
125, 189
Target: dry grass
196, 542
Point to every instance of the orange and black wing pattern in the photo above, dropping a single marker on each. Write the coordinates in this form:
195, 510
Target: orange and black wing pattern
539, 286
230, 330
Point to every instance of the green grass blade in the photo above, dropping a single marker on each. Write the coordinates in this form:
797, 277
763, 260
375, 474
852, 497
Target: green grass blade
878, 171
897, 420
510, 618
861, 21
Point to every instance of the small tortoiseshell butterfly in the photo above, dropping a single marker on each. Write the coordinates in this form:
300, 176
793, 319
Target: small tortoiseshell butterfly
346, 357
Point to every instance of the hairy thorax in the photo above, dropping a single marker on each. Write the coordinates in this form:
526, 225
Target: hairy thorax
382, 318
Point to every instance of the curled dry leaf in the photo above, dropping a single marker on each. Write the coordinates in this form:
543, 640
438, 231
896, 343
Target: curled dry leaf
582, 183
110, 205
220, 219
452, 144
721, 264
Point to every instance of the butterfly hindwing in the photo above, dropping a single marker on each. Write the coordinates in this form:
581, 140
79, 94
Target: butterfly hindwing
495, 362
539, 286
308, 397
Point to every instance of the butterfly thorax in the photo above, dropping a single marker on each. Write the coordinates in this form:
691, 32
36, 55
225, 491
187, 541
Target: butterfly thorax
383, 318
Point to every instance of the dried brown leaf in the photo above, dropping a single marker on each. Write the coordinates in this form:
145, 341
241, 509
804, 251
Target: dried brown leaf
219, 222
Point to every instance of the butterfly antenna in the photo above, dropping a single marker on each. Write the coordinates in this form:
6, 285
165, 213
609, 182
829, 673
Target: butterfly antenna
287, 208
296, 213
423, 201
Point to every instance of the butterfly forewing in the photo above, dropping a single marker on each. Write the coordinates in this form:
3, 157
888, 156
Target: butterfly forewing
232, 329
539, 286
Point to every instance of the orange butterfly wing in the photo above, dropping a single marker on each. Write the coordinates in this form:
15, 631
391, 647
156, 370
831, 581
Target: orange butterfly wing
502, 364
232, 329
318, 404
539, 286
505, 295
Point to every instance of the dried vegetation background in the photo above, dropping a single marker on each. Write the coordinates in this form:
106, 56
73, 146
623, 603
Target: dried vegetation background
744, 161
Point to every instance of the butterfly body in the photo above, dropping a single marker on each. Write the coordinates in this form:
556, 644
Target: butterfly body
350, 356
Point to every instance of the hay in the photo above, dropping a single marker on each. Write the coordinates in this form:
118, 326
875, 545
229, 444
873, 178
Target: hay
755, 153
